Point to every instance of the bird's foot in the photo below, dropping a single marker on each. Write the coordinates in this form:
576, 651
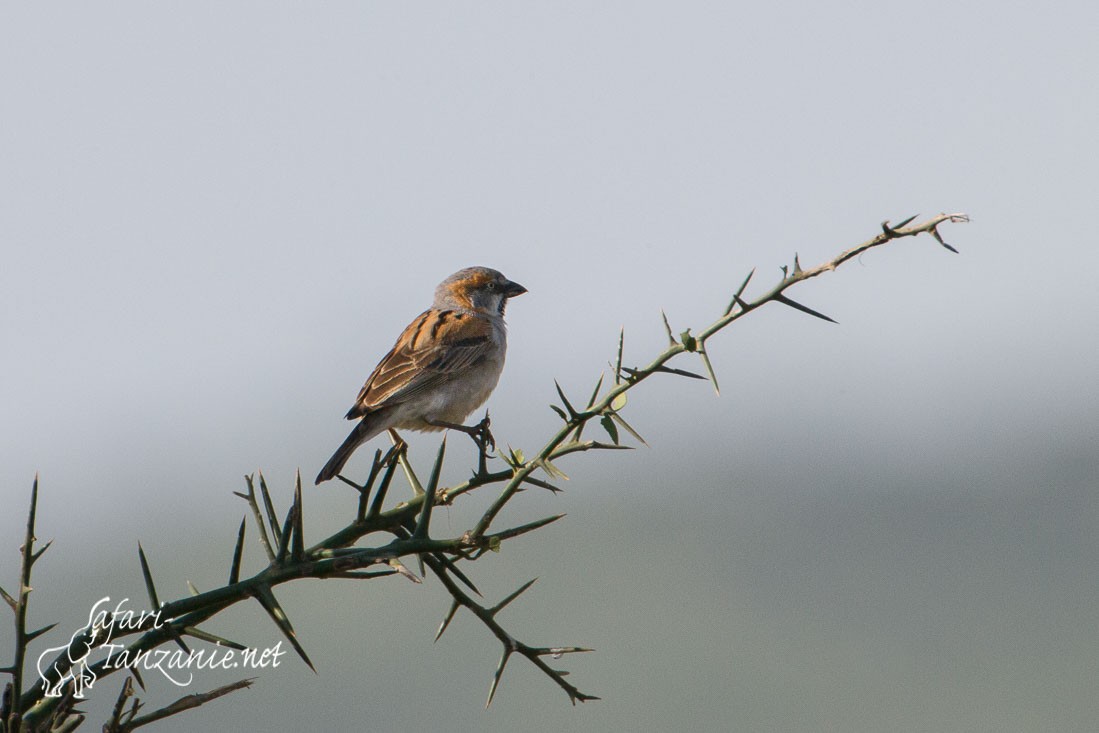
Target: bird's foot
480, 434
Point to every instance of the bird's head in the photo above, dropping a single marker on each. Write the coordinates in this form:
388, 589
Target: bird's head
479, 289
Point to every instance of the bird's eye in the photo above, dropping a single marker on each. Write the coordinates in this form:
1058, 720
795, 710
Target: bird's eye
490, 287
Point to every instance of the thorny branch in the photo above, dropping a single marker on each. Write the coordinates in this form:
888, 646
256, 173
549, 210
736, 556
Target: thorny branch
27, 708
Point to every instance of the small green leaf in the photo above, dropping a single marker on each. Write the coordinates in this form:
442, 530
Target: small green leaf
610, 427
551, 470
618, 402
689, 342
515, 457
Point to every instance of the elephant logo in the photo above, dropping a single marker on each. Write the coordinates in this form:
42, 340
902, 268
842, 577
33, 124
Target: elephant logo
77, 650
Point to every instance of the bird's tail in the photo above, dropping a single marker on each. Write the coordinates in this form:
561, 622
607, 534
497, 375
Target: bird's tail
367, 428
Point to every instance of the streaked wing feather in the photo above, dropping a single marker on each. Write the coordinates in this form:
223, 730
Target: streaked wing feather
434, 347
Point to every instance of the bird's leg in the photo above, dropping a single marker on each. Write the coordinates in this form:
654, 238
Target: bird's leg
483, 438
481, 435
399, 445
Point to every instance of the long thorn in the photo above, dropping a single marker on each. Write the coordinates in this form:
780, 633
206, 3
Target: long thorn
238, 553
250, 497
709, 368
429, 496
446, 621
804, 309
618, 363
272, 517
298, 552
285, 535
739, 292
148, 577
568, 405
266, 598
496, 677
383, 488
668, 328
503, 604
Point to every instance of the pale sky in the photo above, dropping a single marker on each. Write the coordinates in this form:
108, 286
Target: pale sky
215, 219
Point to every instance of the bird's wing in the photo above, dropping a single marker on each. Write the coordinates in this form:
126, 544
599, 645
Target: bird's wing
434, 348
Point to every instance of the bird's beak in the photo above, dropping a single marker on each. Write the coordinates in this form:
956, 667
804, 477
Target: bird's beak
512, 289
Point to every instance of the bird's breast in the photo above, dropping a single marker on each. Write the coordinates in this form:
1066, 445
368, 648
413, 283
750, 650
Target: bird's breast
453, 400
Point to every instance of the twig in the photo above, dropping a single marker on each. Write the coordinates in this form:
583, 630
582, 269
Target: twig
406, 525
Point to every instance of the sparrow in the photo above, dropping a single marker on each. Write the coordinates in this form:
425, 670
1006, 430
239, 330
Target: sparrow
443, 367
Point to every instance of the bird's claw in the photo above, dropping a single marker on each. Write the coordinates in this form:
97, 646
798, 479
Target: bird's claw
483, 436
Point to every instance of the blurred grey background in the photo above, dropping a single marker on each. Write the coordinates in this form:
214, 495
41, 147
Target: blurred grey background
216, 218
